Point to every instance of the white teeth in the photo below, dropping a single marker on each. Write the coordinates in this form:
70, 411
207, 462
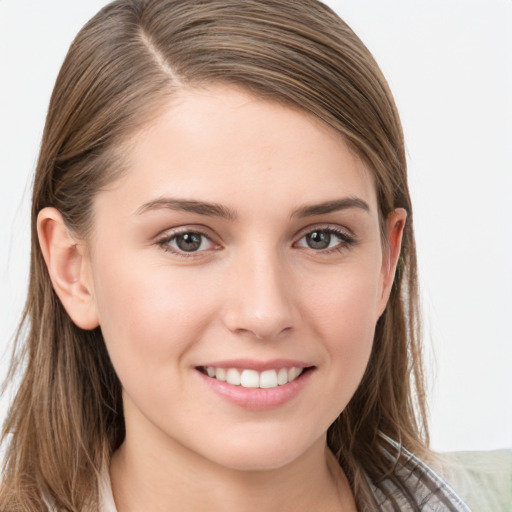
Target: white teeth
220, 374
282, 376
250, 379
293, 373
253, 379
233, 377
268, 379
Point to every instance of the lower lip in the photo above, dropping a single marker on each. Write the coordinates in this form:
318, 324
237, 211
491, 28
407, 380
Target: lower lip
257, 398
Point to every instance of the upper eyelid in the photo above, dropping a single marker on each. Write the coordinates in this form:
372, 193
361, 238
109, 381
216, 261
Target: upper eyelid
172, 232
335, 228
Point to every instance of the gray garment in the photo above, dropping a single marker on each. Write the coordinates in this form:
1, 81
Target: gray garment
415, 487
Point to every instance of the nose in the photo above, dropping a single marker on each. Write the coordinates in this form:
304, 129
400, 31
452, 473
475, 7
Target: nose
261, 298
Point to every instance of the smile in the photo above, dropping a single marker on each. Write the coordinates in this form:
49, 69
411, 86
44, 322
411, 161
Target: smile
256, 385
249, 378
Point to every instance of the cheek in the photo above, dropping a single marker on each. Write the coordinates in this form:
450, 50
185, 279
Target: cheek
346, 301
148, 317
344, 317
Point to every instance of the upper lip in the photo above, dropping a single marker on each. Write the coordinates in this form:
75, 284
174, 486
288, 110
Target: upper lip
251, 364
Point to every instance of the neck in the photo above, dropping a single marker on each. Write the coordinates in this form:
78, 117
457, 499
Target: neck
147, 476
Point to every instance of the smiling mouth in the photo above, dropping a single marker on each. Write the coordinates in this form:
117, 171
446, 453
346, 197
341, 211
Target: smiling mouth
248, 378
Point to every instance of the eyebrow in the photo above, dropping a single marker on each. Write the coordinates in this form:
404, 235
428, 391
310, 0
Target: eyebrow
189, 205
218, 210
330, 207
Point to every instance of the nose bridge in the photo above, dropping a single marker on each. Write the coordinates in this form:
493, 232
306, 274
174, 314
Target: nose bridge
261, 298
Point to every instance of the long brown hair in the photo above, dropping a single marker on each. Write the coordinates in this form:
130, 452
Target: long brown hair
66, 418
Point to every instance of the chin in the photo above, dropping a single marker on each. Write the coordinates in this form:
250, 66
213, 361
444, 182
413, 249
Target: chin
263, 453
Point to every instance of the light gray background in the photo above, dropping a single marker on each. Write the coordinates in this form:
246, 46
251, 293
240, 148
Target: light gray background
449, 64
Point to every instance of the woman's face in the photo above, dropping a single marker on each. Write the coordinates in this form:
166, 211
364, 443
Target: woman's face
242, 244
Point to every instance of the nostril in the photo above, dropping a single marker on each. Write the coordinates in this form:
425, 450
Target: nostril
264, 334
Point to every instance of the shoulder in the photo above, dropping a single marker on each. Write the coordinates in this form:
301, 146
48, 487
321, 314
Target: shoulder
483, 478
413, 485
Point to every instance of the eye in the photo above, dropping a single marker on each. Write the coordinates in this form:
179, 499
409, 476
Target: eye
324, 239
186, 242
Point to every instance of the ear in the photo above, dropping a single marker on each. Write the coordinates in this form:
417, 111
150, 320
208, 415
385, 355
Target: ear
395, 229
68, 268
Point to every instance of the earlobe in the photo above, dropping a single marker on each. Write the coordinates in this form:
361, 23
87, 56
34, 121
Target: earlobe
67, 266
395, 229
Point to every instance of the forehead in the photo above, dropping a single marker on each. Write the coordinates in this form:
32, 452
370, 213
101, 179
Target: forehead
225, 145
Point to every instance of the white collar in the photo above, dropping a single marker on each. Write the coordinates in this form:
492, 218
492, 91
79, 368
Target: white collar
106, 497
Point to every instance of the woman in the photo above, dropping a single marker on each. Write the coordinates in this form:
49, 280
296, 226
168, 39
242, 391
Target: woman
222, 309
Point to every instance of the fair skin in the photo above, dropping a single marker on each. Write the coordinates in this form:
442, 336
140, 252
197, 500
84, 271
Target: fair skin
244, 235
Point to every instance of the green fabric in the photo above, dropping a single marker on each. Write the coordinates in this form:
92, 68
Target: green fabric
482, 479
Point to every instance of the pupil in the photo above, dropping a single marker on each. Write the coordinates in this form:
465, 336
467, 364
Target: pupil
189, 242
319, 239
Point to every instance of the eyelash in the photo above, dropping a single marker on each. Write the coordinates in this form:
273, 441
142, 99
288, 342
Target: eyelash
164, 243
345, 241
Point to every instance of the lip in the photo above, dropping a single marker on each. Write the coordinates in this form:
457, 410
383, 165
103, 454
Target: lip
257, 399
259, 366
